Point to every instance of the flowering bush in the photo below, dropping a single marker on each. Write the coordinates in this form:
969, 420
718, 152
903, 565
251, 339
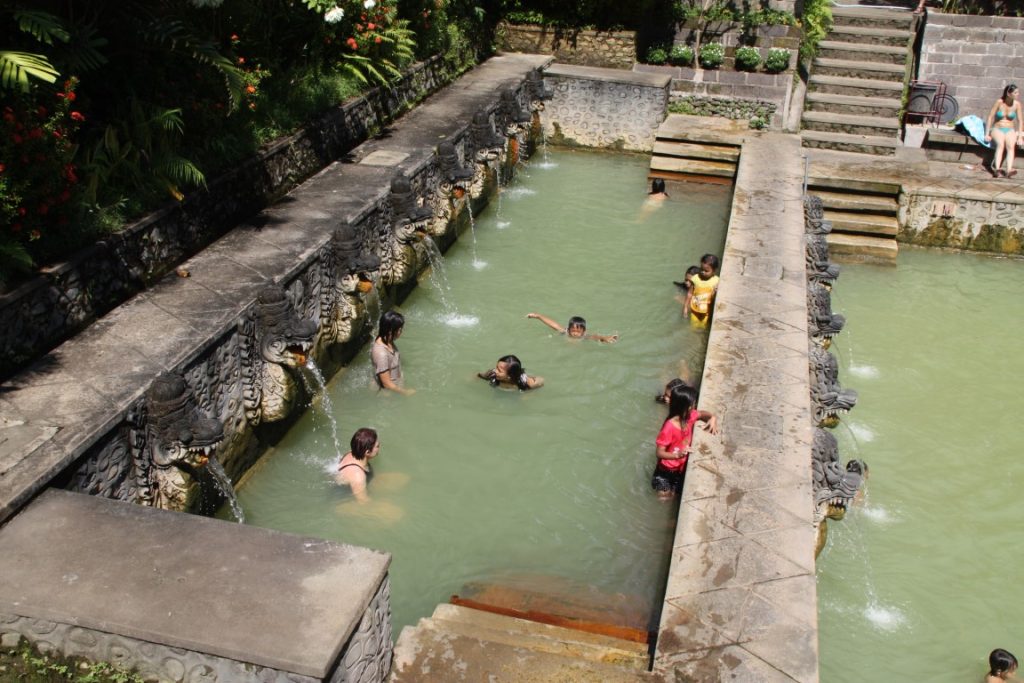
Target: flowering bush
747, 58
777, 60
712, 55
37, 177
656, 55
681, 55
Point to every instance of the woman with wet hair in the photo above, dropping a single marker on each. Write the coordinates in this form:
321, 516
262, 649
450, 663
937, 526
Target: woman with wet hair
387, 364
354, 469
1001, 666
509, 372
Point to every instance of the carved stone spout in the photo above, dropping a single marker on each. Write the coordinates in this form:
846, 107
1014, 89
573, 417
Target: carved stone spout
820, 268
403, 202
835, 486
350, 273
179, 440
822, 323
517, 117
278, 342
828, 398
401, 259
536, 91
488, 144
452, 170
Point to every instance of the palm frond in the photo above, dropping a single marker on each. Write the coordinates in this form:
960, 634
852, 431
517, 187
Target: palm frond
83, 50
18, 68
42, 26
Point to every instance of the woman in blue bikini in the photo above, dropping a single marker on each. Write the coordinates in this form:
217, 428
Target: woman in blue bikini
1004, 128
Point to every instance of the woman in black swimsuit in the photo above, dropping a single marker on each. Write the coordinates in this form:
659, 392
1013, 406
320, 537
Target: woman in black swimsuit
354, 468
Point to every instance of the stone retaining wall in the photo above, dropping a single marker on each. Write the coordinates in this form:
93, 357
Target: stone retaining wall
604, 108
737, 110
976, 56
961, 222
64, 298
609, 49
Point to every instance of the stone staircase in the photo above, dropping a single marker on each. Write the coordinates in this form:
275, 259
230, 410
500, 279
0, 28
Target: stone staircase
857, 81
459, 643
685, 151
863, 215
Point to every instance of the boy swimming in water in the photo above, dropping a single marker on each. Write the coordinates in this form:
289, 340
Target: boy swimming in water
576, 328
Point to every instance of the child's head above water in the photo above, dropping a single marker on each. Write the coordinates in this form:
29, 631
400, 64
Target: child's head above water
1001, 663
576, 327
688, 278
708, 265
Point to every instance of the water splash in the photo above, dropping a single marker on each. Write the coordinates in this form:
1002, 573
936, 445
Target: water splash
865, 371
862, 432
325, 400
878, 515
460, 320
477, 263
223, 483
884, 617
438, 276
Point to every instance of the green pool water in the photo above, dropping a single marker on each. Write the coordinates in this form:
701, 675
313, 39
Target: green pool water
481, 484
921, 581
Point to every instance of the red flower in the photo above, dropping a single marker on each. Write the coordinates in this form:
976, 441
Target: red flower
3, 168
351, 42
42, 111
69, 173
65, 195
34, 235
234, 37
17, 139
61, 96
35, 134
22, 210
57, 134
77, 116
241, 60
250, 89
71, 97
371, 26
9, 115
377, 40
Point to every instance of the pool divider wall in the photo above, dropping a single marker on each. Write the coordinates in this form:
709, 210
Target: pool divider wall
82, 417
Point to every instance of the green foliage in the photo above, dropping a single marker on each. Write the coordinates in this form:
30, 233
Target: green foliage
747, 58
681, 55
26, 664
817, 22
758, 123
712, 55
766, 17
656, 55
682, 107
577, 14
777, 60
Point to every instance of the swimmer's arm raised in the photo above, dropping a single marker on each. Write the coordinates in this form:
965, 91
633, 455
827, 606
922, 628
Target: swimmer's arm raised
546, 320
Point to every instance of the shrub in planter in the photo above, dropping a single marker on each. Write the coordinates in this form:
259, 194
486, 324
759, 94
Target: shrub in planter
747, 58
712, 55
777, 60
656, 55
681, 55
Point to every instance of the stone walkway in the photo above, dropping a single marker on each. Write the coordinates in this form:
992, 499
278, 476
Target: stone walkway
741, 597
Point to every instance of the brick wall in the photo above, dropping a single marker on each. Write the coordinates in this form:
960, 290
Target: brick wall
608, 49
976, 56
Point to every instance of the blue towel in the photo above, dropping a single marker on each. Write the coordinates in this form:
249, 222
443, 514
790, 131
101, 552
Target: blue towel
973, 126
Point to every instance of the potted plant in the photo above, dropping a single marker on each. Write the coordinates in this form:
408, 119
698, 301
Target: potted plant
747, 58
777, 60
681, 55
712, 55
656, 55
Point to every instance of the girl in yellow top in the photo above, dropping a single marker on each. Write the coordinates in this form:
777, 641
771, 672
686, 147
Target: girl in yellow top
701, 296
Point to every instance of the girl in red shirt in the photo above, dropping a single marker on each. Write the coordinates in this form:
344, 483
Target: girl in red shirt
673, 442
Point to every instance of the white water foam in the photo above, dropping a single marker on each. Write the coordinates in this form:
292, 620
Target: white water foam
479, 265
862, 433
544, 165
884, 618
517, 192
865, 371
501, 225
878, 515
458, 320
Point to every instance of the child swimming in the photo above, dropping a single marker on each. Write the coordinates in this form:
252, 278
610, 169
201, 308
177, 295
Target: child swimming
1001, 666
509, 372
576, 328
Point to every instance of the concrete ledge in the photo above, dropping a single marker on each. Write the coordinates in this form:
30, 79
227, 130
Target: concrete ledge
593, 73
251, 595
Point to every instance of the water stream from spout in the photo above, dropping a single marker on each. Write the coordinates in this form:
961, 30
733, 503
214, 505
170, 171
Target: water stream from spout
438, 277
326, 407
477, 263
223, 483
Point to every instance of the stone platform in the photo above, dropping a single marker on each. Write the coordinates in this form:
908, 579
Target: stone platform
168, 593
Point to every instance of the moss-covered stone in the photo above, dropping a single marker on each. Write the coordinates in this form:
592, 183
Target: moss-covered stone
997, 238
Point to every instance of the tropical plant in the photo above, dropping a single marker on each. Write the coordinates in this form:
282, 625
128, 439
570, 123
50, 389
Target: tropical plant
712, 55
747, 58
817, 22
777, 60
681, 55
704, 12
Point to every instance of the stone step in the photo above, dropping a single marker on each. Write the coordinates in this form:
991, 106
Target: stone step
853, 104
838, 184
850, 124
696, 150
863, 223
872, 17
857, 203
856, 87
723, 169
871, 35
858, 68
540, 637
882, 54
862, 249
843, 142
428, 653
